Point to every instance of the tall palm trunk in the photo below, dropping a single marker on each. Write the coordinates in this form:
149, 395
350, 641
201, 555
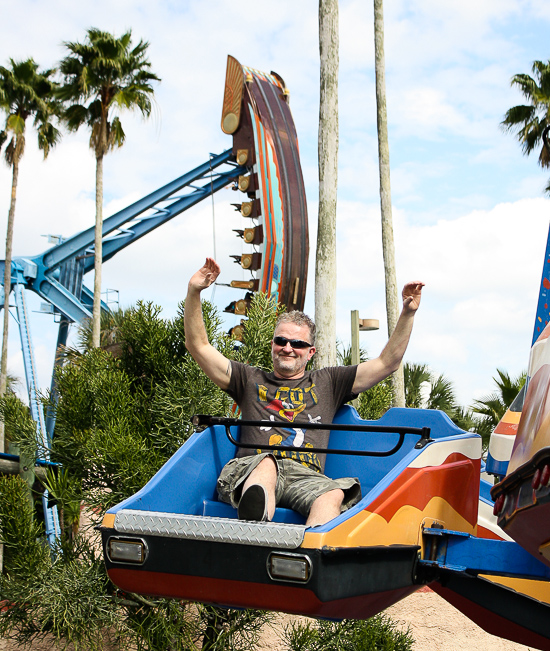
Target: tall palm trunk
388, 249
7, 286
98, 252
325, 262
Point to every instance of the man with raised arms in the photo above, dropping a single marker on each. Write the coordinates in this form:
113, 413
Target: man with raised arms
255, 481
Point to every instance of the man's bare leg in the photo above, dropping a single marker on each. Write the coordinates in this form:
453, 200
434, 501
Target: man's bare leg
325, 507
265, 474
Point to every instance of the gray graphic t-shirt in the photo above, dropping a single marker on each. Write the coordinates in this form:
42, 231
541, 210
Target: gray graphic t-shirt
284, 404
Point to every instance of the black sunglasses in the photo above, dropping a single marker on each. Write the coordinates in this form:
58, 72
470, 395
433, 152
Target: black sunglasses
294, 343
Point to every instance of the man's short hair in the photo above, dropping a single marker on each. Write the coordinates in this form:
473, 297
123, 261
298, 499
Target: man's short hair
300, 319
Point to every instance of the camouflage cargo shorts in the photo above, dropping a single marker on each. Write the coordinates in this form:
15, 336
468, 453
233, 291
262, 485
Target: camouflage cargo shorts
297, 486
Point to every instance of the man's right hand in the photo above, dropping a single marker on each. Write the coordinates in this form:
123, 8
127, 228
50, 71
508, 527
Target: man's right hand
212, 362
205, 276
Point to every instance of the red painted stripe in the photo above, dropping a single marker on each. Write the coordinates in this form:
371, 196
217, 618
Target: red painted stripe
243, 594
510, 429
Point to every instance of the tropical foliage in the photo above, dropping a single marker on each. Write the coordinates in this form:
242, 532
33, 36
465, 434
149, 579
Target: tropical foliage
343, 354
424, 390
379, 632
531, 121
101, 76
492, 407
374, 403
119, 418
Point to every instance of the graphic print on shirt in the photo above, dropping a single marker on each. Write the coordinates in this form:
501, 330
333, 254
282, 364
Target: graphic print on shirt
288, 404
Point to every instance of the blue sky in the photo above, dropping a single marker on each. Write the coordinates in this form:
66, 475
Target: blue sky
470, 218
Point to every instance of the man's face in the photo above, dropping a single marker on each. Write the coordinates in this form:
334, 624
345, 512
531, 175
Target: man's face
291, 362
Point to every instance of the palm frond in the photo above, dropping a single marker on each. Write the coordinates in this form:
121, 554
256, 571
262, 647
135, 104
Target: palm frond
416, 375
528, 121
518, 115
494, 405
103, 73
442, 395
15, 149
343, 354
116, 134
16, 124
26, 91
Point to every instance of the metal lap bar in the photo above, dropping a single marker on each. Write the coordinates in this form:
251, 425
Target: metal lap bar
423, 432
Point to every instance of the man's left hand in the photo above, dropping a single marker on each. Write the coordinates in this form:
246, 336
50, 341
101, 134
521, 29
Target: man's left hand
412, 293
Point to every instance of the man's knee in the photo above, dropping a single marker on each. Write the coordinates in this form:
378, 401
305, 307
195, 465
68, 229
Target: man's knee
333, 498
264, 473
326, 507
268, 462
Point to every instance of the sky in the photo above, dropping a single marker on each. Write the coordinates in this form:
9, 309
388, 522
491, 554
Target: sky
469, 212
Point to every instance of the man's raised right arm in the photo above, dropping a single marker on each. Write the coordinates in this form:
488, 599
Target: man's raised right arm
216, 366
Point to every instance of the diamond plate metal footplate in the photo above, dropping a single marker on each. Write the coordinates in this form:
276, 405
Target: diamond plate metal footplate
195, 527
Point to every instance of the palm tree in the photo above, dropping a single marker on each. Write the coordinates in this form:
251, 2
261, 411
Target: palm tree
442, 395
101, 75
344, 354
416, 375
388, 249
532, 121
465, 419
325, 260
424, 390
493, 406
24, 92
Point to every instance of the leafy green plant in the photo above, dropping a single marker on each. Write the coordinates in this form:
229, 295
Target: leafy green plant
62, 595
375, 402
490, 408
19, 427
343, 354
379, 633
121, 412
258, 332
66, 492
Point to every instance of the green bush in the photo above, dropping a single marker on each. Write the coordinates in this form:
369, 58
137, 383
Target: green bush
121, 412
379, 633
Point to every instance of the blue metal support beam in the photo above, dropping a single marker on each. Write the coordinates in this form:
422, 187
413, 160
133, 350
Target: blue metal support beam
82, 243
51, 517
461, 553
138, 229
41, 273
56, 274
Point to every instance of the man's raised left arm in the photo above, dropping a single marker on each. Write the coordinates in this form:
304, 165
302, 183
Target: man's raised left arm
375, 370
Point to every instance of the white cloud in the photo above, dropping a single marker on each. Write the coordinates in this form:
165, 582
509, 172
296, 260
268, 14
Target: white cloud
482, 273
427, 110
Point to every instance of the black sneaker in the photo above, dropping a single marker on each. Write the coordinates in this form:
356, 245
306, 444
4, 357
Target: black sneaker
253, 504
